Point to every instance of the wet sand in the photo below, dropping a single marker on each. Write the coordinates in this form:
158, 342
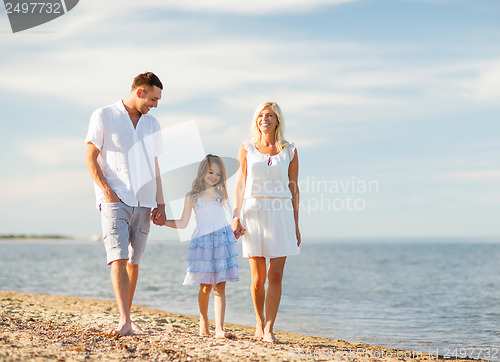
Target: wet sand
47, 327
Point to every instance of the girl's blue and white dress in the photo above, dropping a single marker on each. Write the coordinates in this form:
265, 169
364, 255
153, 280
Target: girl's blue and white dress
212, 252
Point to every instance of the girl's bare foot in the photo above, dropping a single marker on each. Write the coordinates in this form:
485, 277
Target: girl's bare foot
259, 332
224, 335
204, 330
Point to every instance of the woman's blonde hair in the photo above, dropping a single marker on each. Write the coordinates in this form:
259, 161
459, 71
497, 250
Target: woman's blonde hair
199, 182
279, 135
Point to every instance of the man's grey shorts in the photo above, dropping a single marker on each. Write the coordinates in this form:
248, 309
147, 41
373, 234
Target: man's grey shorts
125, 231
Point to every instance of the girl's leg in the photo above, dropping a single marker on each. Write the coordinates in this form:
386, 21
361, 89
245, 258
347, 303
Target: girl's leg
203, 298
258, 291
220, 308
273, 297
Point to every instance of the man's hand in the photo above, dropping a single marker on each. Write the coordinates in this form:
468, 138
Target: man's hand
110, 197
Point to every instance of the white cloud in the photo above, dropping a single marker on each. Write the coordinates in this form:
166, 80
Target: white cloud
485, 86
188, 71
254, 7
57, 151
88, 13
473, 175
241, 72
51, 186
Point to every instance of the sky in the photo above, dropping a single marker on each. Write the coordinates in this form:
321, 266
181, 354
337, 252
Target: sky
393, 105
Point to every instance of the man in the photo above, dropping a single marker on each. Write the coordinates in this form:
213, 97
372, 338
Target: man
123, 144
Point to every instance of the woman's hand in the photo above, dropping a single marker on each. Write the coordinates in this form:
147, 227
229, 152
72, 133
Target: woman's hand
299, 237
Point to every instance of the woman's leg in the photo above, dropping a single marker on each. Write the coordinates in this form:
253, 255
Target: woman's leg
258, 291
203, 298
273, 297
220, 308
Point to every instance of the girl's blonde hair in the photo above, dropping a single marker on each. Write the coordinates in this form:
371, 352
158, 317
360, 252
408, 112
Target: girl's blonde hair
199, 182
279, 135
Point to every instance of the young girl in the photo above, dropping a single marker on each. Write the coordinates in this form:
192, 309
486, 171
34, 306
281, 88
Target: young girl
212, 251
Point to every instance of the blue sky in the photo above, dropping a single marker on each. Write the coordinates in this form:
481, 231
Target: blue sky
393, 106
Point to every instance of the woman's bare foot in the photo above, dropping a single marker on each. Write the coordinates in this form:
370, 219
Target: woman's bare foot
123, 330
270, 338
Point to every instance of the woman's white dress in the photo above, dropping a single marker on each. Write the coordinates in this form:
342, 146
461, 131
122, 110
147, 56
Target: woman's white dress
267, 211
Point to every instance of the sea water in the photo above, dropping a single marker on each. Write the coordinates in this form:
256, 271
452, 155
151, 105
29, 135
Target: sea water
431, 296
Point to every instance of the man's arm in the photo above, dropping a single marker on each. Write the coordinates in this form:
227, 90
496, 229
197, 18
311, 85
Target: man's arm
97, 175
158, 215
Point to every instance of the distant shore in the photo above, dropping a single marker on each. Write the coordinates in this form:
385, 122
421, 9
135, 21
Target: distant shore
41, 327
34, 236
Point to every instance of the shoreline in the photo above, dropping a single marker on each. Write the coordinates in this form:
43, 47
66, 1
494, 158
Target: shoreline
41, 327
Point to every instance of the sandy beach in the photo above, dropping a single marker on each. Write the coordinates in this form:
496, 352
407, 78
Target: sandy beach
46, 327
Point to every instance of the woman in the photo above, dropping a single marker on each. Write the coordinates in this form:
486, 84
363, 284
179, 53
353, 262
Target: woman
266, 196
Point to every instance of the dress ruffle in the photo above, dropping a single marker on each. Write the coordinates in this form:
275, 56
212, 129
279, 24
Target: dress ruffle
221, 252
228, 275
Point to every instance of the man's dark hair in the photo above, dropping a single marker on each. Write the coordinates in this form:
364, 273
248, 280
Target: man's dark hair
146, 79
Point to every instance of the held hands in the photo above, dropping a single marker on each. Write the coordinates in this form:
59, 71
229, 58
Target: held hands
158, 215
239, 230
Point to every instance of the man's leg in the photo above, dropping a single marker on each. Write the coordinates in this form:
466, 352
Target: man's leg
139, 230
133, 274
115, 224
121, 286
